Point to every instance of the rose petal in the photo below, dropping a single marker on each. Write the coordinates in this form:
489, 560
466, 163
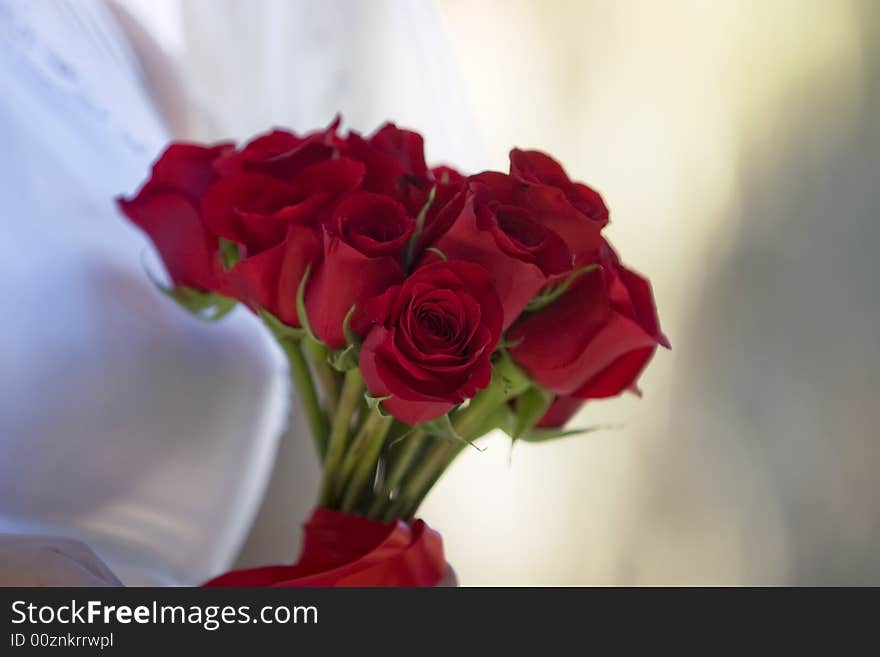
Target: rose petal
347, 277
187, 169
560, 412
241, 194
175, 228
270, 279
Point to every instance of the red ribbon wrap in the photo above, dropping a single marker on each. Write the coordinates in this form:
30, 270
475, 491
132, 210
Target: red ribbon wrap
341, 549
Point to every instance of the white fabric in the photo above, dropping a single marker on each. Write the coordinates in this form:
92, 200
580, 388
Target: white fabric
123, 421
250, 64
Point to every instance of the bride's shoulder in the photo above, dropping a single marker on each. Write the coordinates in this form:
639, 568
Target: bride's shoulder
72, 66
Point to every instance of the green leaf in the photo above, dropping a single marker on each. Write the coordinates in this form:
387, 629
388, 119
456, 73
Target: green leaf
301, 305
279, 329
229, 254
552, 293
530, 407
541, 435
375, 403
410, 252
204, 305
441, 427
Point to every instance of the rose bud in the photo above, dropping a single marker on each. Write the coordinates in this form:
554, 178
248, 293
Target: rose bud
167, 210
283, 154
276, 230
395, 166
508, 239
428, 341
572, 210
535, 167
309, 164
405, 147
444, 191
394, 161
276, 224
255, 210
389, 162
257, 151
363, 246
604, 331
445, 208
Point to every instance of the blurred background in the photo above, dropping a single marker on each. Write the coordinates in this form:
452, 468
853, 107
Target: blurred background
737, 145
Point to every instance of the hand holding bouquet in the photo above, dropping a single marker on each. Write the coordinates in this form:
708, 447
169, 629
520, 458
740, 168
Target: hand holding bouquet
419, 309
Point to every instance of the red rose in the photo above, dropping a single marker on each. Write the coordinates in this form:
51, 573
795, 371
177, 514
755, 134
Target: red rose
276, 180
270, 279
595, 339
394, 160
341, 549
277, 231
276, 193
373, 224
572, 210
285, 155
255, 210
405, 147
447, 206
167, 210
363, 245
535, 167
428, 341
256, 151
509, 240
446, 189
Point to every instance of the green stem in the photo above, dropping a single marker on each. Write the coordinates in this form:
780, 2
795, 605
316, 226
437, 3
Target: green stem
367, 464
469, 421
355, 452
327, 377
425, 474
483, 413
402, 461
352, 389
409, 510
299, 372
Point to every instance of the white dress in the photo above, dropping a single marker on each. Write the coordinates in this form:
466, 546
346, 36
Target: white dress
124, 422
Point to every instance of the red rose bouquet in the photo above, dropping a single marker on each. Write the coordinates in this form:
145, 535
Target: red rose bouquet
419, 309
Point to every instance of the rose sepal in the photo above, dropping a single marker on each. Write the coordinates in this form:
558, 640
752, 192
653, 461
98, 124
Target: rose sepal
346, 358
508, 381
555, 290
542, 435
443, 428
279, 329
529, 409
375, 403
411, 248
205, 305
